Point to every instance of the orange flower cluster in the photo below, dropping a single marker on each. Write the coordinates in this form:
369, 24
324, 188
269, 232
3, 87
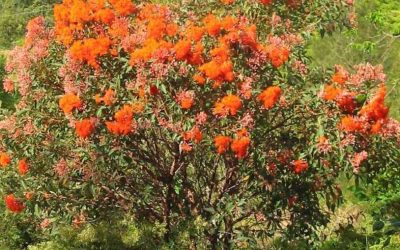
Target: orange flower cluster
344, 99
13, 204
239, 145
339, 77
228, 105
351, 124
278, 55
222, 143
227, 1
299, 166
84, 128
376, 109
123, 123
5, 159
270, 96
193, 135
331, 92
23, 167
72, 16
68, 102
108, 98
88, 50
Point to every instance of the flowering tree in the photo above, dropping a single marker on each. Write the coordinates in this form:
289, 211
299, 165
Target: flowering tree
188, 117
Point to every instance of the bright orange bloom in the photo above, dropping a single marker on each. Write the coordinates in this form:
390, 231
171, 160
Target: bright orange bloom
376, 109
105, 16
68, 102
339, 77
23, 167
123, 123
270, 96
172, 29
350, 124
240, 146
123, 7
230, 104
212, 25
193, 135
278, 56
13, 204
182, 49
84, 128
4, 159
299, 166
227, 1
194, 33
109, 97
88, 50
185, 99
330, 92
222, 143
199, 79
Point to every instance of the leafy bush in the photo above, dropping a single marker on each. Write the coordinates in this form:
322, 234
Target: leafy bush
205, 119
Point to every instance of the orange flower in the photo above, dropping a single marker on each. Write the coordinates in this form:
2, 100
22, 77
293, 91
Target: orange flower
109, 97
123, 7
199, 79
339, 77
278, 56
89, 49
68, 102
270, 96
350, 124
23, 167
193, 135
84, 128
222, 143
212, 25
185, 99
299, 166
230, 104
182, 49
227, 1
266, 2
13, 204
123, 123
330, 92
376, 109
240, 146
4, 159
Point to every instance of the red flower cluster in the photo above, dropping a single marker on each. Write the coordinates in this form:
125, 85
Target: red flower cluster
299, 166
13, 204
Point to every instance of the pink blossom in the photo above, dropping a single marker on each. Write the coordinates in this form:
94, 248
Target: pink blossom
8, 85
201, 118
8, 123
357, 159
245, 88
61, 168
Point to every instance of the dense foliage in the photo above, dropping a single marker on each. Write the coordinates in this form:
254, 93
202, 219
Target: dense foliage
205, 120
